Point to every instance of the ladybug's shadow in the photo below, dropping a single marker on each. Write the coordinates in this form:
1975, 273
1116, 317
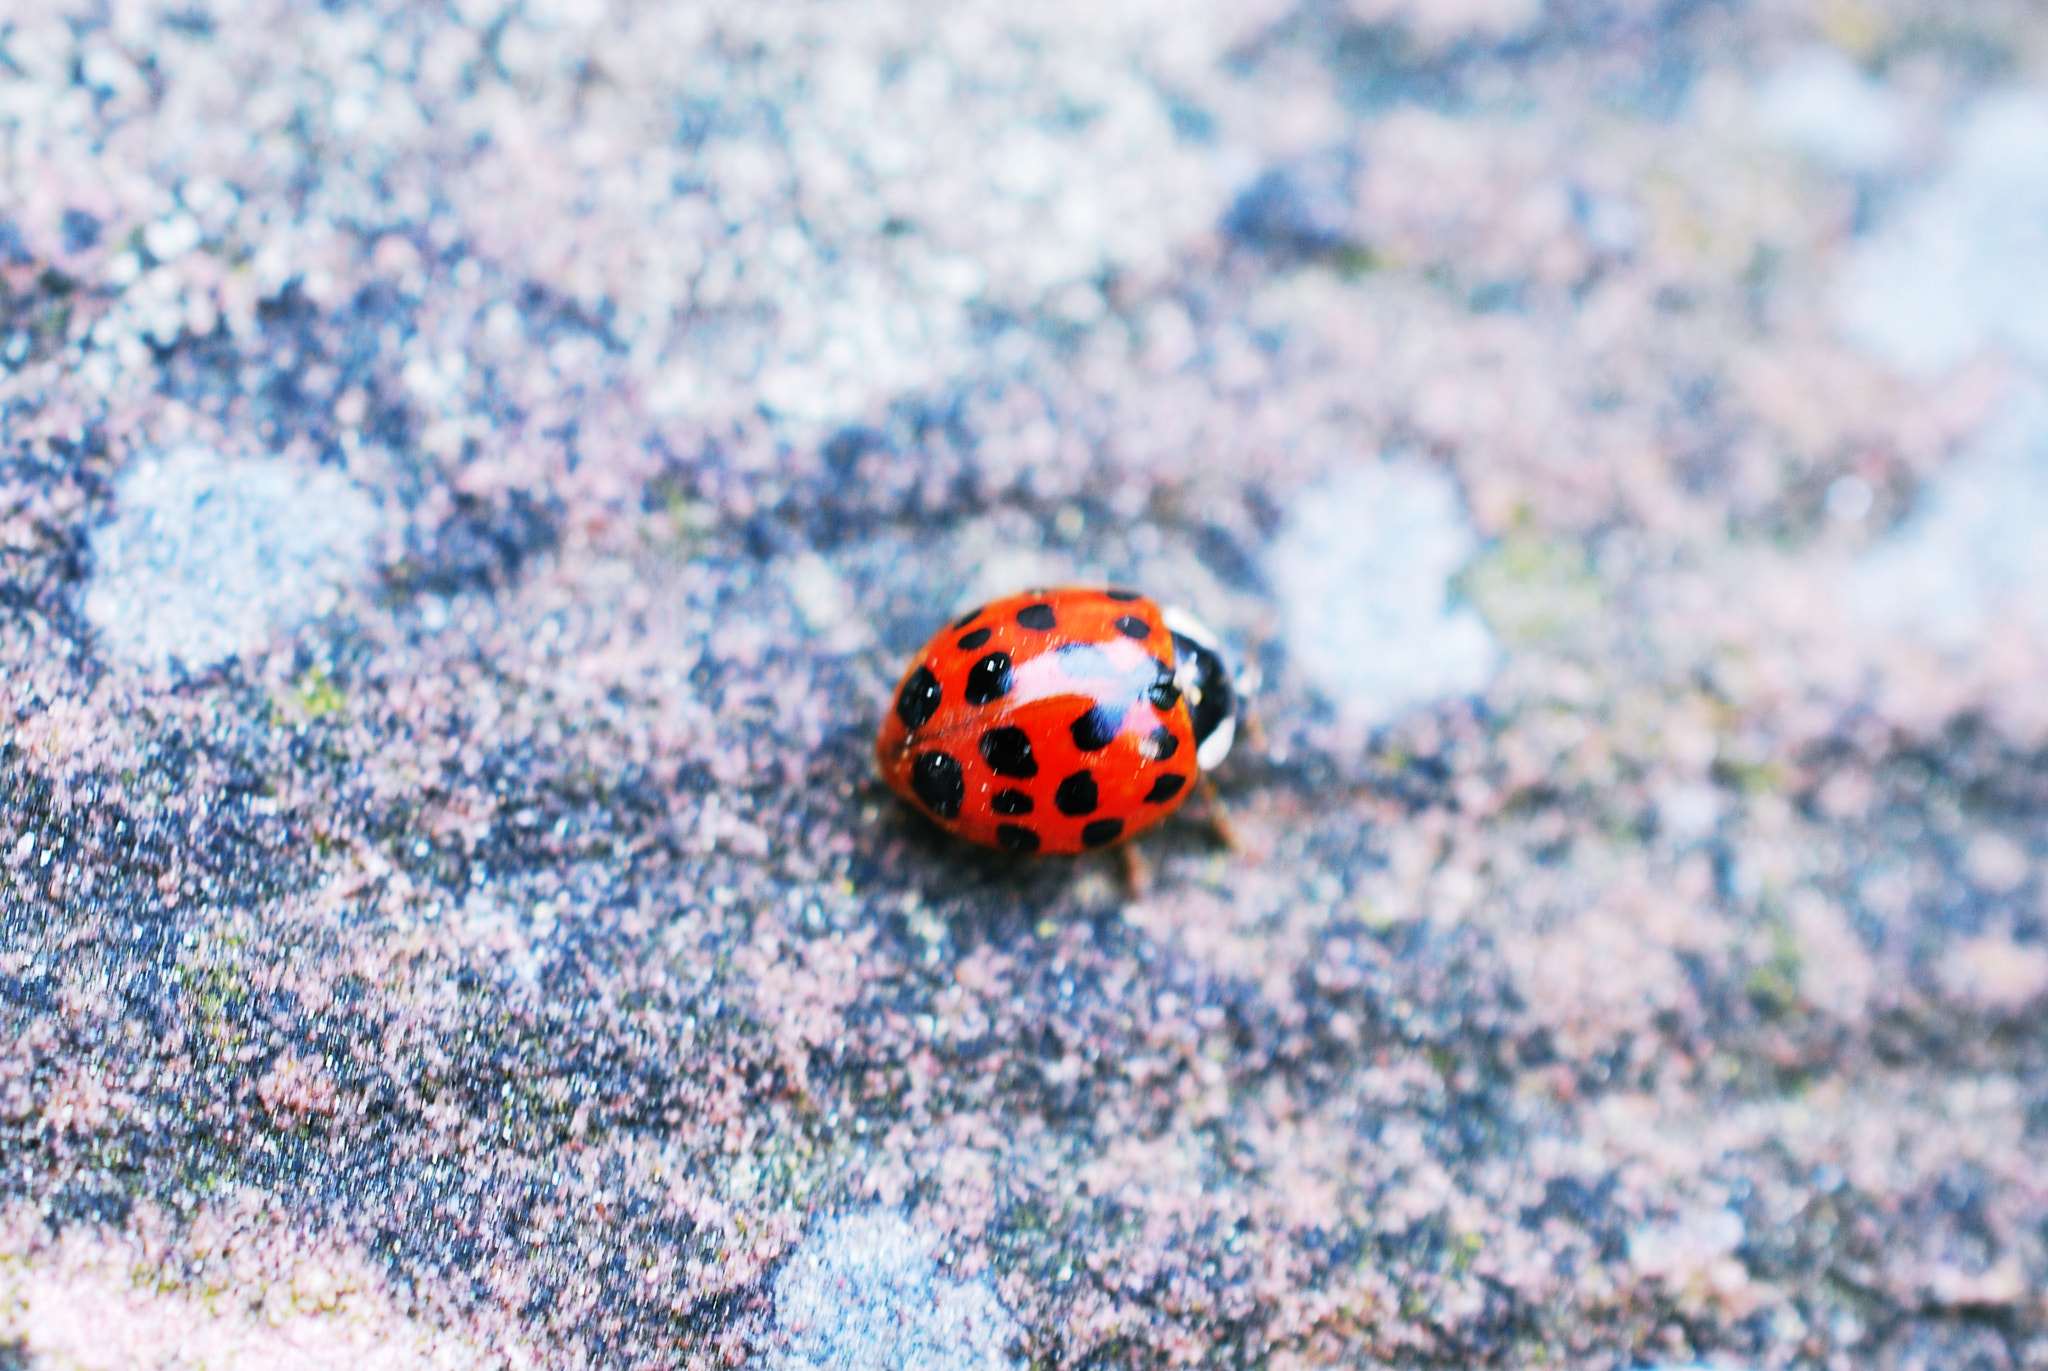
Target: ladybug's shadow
945, 865
983, 894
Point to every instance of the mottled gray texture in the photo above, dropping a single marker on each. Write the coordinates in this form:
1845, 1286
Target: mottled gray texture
1616, 940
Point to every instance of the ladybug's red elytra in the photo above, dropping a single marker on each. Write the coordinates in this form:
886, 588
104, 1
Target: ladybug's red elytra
1059, 720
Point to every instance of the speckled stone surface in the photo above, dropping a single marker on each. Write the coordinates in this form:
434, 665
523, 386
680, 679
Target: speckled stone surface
470, 473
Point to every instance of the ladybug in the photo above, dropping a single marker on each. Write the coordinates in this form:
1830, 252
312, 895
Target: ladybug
1059, 720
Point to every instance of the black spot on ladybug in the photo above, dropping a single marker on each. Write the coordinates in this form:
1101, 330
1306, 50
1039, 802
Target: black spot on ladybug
970, 641
1038, 616
1119, 593
1163, 693
919, 699
1011, 802
1096, 729
1131, 626
1007, 751
1164, 789
938, 781
1161, 744
1077, 795
1102, 831
1016, 838
989, 679
968, 618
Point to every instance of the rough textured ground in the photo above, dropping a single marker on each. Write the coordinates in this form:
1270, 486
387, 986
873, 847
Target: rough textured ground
470, 473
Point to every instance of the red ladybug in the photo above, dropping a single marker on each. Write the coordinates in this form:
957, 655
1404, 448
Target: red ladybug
1059, 720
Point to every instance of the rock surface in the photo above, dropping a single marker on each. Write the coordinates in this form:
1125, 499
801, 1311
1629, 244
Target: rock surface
470, 472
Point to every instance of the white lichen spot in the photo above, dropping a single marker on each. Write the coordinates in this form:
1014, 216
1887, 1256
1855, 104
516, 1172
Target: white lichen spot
1693, 1254
1363, 570
825, 603
1995, 864
1970, 565
1995, 974
865, 1292
1822, 105
1966, 265
208, 557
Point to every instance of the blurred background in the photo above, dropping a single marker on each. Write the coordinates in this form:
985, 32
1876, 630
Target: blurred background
472, 472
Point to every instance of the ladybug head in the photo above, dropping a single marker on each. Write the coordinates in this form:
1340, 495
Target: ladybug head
1203, 677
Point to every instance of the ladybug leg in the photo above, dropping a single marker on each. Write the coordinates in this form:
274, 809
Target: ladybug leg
1217, 815
1137, 872
1247, 686
1254, 730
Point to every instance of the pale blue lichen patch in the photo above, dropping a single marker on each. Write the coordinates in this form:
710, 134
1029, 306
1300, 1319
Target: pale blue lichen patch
1969, 565
207, 556
1363, 572
865, 1292
1965, 266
